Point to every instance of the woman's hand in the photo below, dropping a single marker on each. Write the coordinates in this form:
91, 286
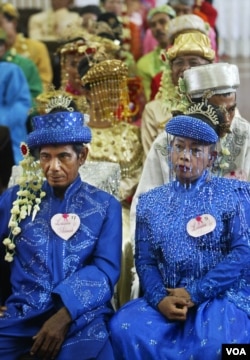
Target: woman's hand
174, 307
2, 310
181, 293
48, 341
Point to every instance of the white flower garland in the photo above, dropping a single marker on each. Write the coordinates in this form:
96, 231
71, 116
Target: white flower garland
28, 198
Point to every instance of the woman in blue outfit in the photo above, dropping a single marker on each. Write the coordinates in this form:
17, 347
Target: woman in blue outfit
62, 238
192, 255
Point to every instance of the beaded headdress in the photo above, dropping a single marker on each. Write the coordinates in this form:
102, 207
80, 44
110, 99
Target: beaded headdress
108, 90
62, 127
207, 80
93, 47
59, 128
190, 126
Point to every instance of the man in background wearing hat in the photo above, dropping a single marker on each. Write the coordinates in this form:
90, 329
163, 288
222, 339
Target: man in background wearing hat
29, 48
220, 81
191, 47
64, 248
150, 64
217, 84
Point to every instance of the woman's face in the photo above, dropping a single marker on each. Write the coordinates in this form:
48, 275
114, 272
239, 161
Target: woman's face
71, 68
189, 159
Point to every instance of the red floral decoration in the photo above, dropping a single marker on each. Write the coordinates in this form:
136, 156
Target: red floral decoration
24, 149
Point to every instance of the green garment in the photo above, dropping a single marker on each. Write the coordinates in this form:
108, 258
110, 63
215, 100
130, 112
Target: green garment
147, 67
30, 71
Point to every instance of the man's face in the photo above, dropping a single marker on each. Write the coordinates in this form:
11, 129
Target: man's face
182, 9
10, 29
60, 164
114, 6
184, 62
158, 26
189, 159
228, 102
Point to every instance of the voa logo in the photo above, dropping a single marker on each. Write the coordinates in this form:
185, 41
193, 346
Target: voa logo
236, 351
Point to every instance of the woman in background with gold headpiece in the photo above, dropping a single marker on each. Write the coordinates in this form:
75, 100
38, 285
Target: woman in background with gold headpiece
115, 139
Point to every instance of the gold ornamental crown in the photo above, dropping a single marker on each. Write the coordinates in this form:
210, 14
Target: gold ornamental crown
204, 109
60, 101
51, 99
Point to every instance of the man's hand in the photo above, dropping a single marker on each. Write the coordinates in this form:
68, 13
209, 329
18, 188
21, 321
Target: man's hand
48, 341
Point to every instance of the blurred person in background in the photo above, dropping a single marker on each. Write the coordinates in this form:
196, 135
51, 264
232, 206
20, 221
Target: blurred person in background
28, 48
150, 64
52, 23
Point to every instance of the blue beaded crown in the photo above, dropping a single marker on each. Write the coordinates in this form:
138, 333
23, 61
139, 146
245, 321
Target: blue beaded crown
59, 128
191, 127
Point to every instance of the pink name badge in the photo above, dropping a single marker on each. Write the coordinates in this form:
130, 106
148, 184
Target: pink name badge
201, 225
65, 225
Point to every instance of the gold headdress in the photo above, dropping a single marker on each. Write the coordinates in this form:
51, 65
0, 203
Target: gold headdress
93, 47
109, 92
191, 44
52, 98
204, 109
216, 115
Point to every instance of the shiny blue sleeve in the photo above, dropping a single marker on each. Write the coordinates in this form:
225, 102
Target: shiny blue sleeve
145, 260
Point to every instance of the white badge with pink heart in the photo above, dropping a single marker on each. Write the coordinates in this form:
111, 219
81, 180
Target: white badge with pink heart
65, 225
201, 225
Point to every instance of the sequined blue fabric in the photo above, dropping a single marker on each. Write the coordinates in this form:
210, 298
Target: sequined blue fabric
196, 129
48, 271
59, 128
214, 268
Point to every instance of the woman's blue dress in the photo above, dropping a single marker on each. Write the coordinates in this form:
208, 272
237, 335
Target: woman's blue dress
214, 268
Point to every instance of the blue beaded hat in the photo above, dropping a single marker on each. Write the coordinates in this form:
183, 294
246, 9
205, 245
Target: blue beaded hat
59, 128
190, 127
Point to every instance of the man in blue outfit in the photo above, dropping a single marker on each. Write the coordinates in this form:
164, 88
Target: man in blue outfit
62, 238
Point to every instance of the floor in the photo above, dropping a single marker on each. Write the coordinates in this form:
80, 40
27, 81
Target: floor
243, 93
